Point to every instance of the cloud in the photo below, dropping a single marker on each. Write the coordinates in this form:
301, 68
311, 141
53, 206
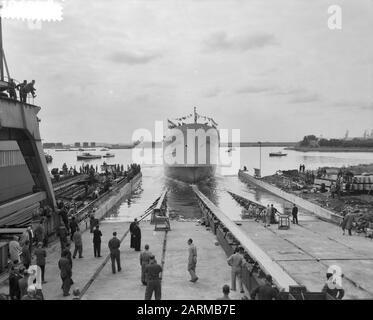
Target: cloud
212, 92
305, 98
254, 89
133, 58
220, 41
367, 105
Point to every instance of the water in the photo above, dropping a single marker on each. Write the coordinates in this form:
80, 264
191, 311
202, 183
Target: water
181, 199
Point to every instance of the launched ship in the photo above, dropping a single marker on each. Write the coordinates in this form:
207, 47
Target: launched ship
190, 150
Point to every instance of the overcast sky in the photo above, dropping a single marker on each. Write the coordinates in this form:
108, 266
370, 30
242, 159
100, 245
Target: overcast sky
271, 68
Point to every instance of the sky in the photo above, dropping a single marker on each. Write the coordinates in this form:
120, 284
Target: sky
272, 68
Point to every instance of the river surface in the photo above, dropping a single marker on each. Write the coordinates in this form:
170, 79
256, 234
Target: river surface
180, 196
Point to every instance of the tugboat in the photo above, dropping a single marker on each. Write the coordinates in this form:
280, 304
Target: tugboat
88, 156
190, 150
108, 155
277, 154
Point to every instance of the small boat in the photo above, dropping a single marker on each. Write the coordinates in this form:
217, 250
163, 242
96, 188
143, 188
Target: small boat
109, 155
104, 149
88, 156
277, 154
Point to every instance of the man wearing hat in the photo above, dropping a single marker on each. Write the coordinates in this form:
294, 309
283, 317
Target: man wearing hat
153, 273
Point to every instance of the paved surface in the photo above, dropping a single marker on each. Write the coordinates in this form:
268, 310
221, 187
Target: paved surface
306, 250
212, 268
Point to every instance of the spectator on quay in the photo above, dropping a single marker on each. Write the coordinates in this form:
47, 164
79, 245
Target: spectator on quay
267, 217
331, 287
97, 242
40, 232
265, 291
73, 226
26, 255
65, 273
62, 234
226, 291
192, 260
236, 262
144, 261
14, 277
153, 273
294, 213
15, 250
41, 255
114, 245
347, 223
78, 243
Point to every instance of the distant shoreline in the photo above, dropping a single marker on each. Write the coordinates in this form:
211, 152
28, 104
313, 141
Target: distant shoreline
330, 149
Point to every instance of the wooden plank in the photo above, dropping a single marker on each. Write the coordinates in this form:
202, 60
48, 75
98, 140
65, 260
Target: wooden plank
12, 230
161, 200
14, 206
279, 276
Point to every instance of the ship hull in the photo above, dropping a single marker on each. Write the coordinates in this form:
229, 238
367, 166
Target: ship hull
190, 174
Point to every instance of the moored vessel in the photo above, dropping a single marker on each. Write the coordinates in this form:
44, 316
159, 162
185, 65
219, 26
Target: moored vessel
88, 156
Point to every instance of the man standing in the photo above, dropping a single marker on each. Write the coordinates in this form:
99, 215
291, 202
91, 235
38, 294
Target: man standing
268, 214
192, 260
132, 230
65, 267
294, 213
347, 223
97, 242
114, 245
236, 262
73, 227
41, 254
12, 89
14, 277
30, 237
77, 238
265, 291
26, 255
226, 291
144, 261
22, 94
40, 232
29, 88
153, 273
137, 236
62, 233
15, 250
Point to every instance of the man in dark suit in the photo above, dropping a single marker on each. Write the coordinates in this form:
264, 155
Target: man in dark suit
153, 272
26, 254
65, 267
114, 245
132, 230
97, 242
294, 213
137, 236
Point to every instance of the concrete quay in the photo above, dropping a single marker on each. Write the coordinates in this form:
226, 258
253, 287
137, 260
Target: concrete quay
212, 268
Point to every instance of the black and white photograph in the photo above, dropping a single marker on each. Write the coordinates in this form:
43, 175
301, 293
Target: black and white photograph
187, 152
